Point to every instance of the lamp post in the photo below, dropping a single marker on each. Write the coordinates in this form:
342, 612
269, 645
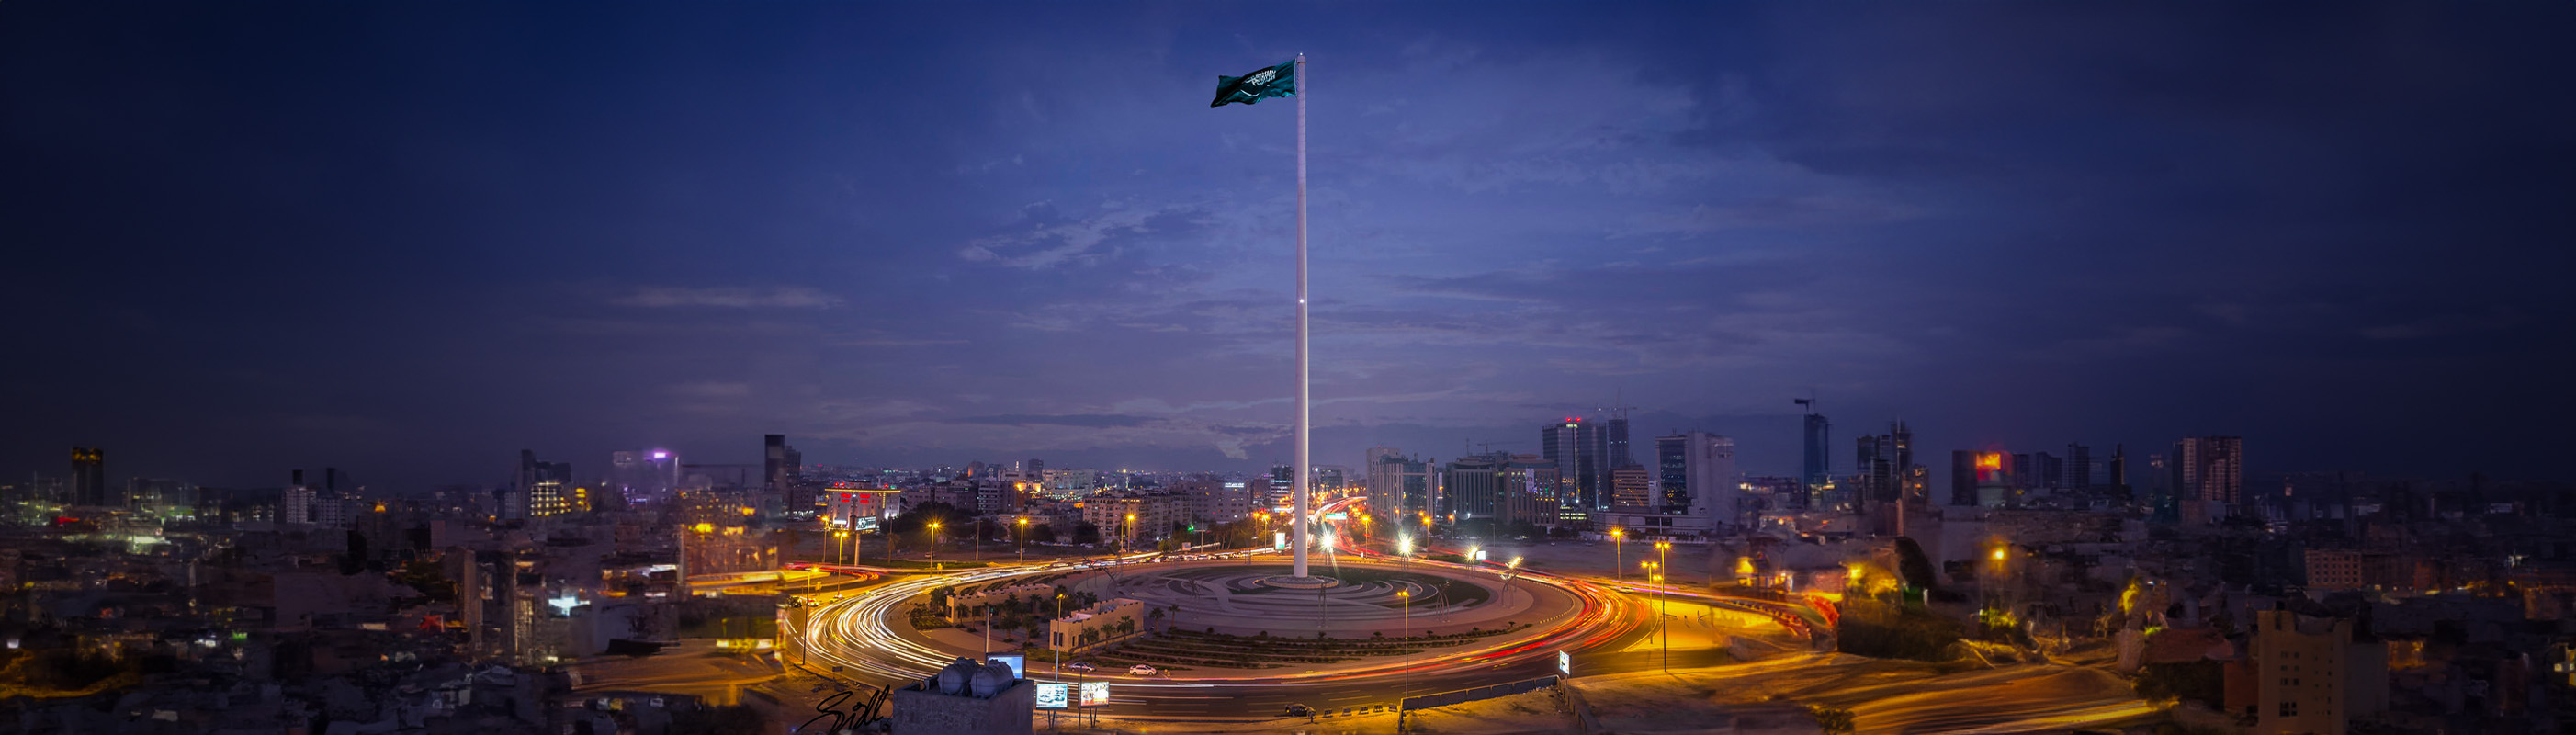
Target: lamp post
1618, 549
1128, 535
1662, 551
934, 541
1407, 597
1662, 621
1024, 538
1052, 642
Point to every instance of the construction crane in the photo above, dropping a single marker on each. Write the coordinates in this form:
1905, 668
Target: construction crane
1618, 407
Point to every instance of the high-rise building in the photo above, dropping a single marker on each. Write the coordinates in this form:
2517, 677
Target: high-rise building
1580, 452
543, 488
295, 504
1819, 456
1398, 484
2119, 478
1981, 479
782, 471
1496, 488
2050, 471
2210, 469
1631, 488
2079, 466
1702, 465
1614, 442
89, 478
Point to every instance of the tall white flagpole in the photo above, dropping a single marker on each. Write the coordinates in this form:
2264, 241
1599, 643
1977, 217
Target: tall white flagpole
1305, 463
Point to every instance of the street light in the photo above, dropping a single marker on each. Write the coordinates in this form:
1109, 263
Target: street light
1618, 552
1662, 550
1664, 621
934, 541
1130, 533
1024, 538
1407, 597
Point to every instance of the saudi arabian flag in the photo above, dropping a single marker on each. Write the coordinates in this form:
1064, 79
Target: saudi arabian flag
1276, 81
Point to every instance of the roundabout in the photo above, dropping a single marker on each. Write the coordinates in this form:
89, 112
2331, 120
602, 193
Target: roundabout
1391, 627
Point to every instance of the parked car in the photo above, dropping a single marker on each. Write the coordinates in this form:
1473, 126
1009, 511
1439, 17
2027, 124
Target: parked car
1299, 710
1081, 666
1141, 670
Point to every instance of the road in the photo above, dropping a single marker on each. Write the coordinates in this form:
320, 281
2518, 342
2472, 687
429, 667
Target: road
853, 633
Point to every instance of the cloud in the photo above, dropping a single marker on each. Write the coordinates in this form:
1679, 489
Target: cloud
1090, 420
778, 297
1042, 245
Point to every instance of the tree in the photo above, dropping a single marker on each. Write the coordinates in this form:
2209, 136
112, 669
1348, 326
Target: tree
1086, 532
1042, 533
1914, 566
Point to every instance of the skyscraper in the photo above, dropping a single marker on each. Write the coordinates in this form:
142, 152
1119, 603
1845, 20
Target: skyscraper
1398, 484
1981, 478
2211, 468
1819, 457
2119, 467
295, 504
2051, 471
1582, 467
782, 471
1697, 470
1614, 438
89, 478
2079, 466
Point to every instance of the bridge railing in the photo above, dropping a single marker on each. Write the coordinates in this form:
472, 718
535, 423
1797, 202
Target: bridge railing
1463, 696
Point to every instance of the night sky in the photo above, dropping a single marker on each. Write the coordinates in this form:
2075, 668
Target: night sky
409, 239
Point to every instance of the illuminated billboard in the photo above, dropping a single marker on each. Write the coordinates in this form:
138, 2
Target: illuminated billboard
1019, 663
1051, 695
1094, 694
1279, 540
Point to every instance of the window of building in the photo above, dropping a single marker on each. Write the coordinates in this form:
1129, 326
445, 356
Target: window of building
2289, 709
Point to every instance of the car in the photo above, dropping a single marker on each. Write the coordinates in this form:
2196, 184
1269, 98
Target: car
1081, 666
1299, 710
1141, 670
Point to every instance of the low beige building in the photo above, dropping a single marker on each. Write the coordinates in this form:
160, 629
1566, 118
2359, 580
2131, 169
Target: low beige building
1106, 622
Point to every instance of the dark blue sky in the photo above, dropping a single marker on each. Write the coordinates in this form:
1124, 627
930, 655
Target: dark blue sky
408, 239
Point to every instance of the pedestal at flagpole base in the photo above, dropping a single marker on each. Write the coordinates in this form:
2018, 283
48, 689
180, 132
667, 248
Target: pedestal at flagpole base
1294, 582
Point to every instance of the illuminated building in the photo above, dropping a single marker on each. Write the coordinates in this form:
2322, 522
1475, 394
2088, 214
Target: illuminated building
1630, 487
544, 488
1399, 484
89, 478
1980, 479
1582, 463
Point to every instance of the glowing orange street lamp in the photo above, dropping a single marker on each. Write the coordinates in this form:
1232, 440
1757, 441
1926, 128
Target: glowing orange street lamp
934, 541
1618, 551
1024, 538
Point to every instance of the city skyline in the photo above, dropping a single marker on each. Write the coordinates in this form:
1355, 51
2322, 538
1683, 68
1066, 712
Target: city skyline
678, 232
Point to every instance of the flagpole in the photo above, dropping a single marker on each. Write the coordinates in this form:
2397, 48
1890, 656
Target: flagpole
1305, 464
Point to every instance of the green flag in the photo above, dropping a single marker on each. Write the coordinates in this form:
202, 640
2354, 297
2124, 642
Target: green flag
1275, 81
